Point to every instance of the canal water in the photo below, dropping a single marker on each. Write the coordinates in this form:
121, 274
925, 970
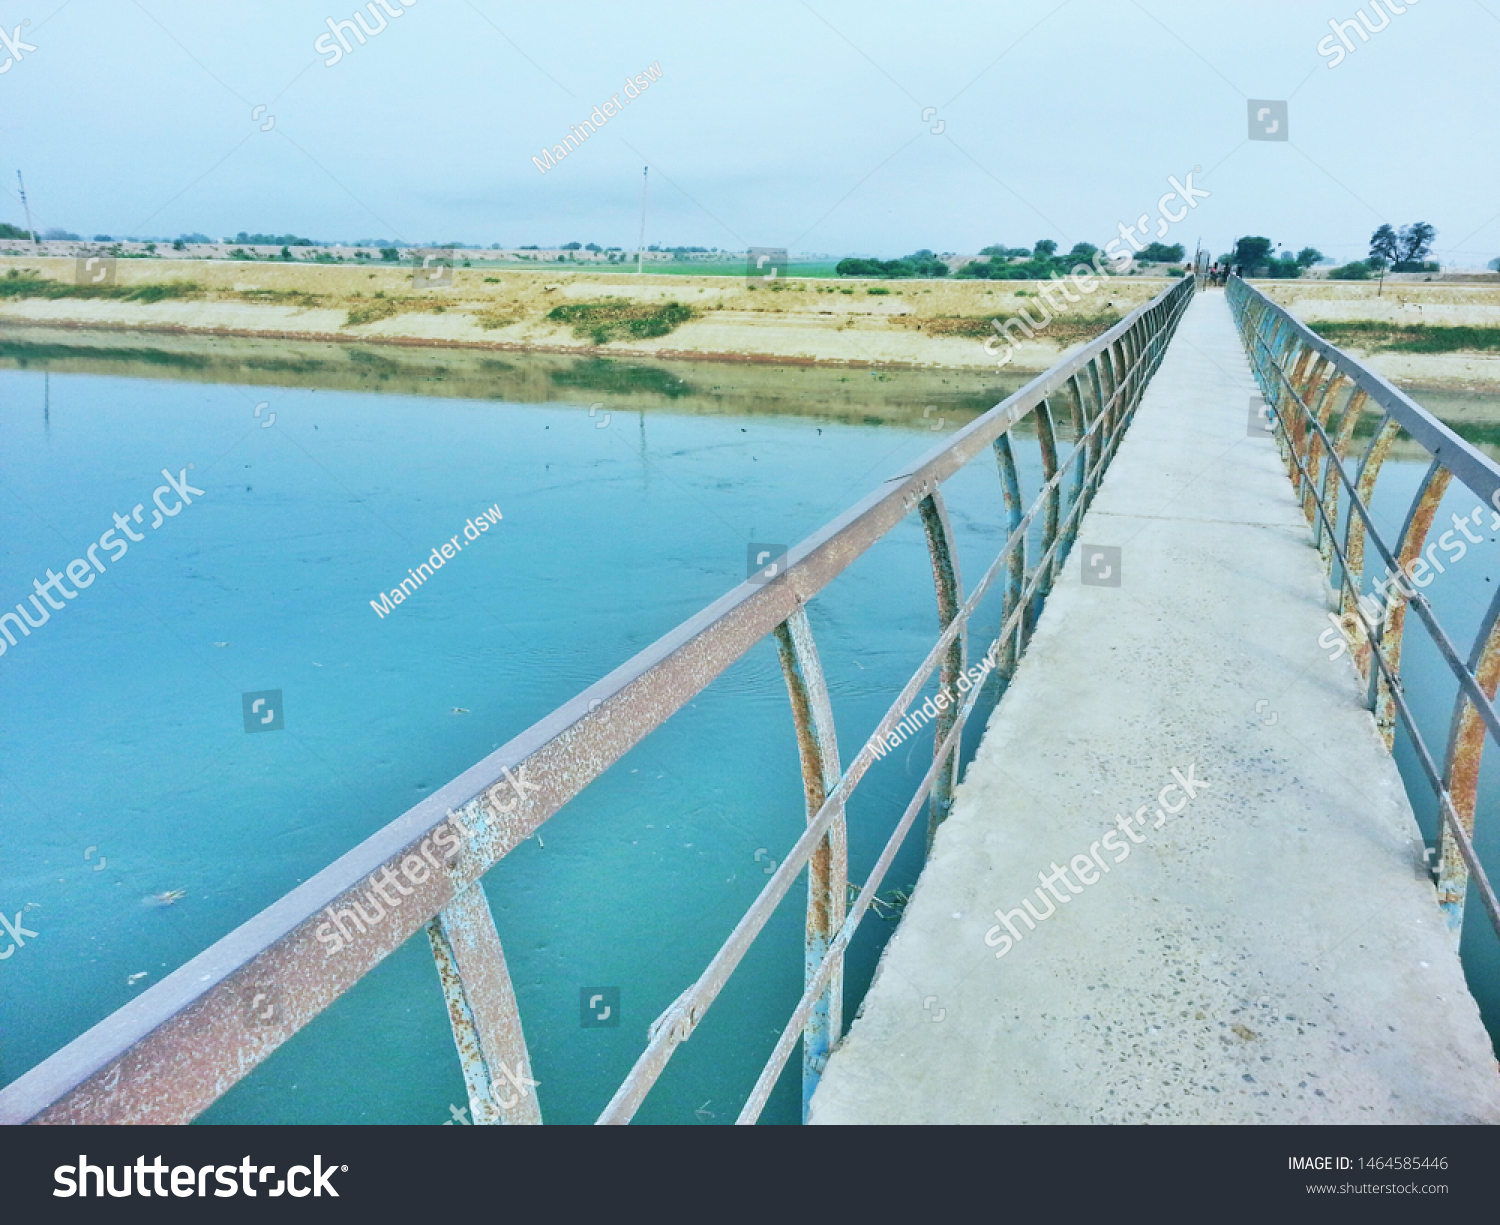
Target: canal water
147, 808
146, 813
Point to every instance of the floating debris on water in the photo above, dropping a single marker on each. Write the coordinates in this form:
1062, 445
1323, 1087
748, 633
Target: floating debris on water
168, 898
135, 978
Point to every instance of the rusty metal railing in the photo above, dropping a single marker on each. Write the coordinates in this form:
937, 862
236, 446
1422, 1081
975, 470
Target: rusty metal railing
177, 1048
1316, 395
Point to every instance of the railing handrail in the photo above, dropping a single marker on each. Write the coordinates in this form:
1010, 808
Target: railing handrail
180, 1045
1275, 339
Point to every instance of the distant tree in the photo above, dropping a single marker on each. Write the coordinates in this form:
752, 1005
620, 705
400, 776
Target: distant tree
1385, 246
1416, 242
103, 238
1044, 249
179, 245
593, 246
1359, 270
393, 254
1494, 263
1084, 253
286, 253
1158, 253
1309, 256
1250, 253
578, 246
1385, 249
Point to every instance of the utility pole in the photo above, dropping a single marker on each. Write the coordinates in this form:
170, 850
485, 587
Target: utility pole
640, 246
35, 246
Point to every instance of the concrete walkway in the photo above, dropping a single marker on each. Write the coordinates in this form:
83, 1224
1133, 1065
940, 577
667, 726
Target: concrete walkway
1271, 952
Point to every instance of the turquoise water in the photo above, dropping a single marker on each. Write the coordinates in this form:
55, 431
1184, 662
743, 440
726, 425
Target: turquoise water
124, 743
139, 821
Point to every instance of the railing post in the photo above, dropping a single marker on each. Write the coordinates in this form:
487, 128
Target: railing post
482, 1010
1046, 431
828, 868
1411, 542
1015, 577
1461, 770
950, 596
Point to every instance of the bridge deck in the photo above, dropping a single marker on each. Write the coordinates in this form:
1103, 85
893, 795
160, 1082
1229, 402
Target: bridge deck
1273, 951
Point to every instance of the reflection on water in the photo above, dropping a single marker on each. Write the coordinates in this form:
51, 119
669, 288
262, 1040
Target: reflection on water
1473, 416
849, 394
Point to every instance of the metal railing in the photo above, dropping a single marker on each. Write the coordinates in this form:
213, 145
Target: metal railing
176, 1049
1316, 395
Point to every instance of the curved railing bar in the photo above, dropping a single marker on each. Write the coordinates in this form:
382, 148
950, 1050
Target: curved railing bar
828, 867
950, 596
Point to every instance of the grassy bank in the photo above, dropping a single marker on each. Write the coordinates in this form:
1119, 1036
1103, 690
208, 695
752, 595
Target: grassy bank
1376, 337
18, 285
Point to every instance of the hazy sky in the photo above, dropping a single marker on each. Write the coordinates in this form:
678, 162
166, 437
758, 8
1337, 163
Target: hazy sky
773, 124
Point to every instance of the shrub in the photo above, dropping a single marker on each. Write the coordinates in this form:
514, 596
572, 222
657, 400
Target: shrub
1359, 270
377, 308
921, 263
612, 318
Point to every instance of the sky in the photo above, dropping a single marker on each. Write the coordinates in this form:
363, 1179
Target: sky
861, 128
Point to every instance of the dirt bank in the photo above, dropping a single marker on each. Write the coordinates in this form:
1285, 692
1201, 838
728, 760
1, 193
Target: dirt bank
937, 324
801, 321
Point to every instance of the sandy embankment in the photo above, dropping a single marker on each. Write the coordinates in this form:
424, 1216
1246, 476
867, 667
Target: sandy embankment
797, 320
923, 324
1404, 302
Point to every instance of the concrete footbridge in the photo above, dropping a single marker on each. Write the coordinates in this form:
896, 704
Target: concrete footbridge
1181, 880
